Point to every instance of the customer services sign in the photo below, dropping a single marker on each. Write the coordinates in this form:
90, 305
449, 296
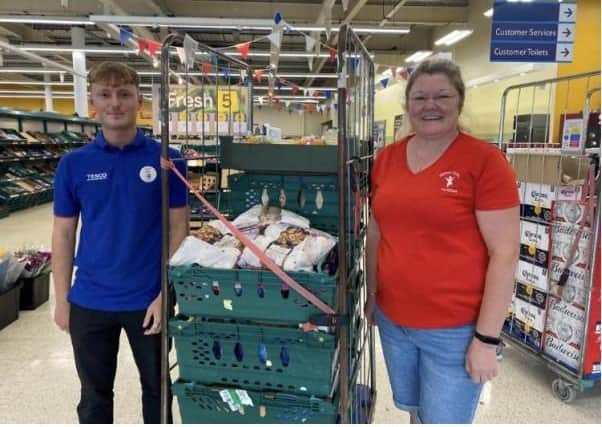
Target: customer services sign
533, 32
207, 109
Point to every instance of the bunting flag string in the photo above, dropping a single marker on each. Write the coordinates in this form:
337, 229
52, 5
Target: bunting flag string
205, 68
332, 54
243, 49
124, 36
275, 38
143, 44
153, 47
190, 47
181, 54
186, 53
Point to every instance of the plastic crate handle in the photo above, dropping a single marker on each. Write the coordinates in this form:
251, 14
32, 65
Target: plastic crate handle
271, 265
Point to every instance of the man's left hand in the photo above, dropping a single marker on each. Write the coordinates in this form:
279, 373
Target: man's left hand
481, 361
152, 319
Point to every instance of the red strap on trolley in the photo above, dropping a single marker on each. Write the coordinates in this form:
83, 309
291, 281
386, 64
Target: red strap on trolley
169, 165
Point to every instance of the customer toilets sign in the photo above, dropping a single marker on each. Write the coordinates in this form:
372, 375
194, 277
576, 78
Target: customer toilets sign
533, 31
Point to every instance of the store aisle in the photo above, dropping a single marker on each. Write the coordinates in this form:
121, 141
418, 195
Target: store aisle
38, 382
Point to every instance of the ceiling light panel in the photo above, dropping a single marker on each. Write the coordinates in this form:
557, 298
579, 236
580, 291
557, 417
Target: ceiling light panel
453, 37
419, 56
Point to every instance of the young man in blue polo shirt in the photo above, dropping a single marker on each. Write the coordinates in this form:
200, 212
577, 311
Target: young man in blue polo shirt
114, 184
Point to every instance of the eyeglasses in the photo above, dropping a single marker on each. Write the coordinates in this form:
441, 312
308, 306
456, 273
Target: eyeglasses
442, 99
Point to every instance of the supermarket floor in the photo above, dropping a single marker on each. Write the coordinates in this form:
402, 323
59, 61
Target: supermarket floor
38, 382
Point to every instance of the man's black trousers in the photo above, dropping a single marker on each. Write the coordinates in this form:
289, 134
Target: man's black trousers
95, 339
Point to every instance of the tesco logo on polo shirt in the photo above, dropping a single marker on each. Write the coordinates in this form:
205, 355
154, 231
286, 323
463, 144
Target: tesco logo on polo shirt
101, 176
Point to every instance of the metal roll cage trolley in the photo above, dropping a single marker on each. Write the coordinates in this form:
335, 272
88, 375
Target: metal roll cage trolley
555, 316
353, 392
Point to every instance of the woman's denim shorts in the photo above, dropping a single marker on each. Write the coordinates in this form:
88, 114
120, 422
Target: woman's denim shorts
427, 371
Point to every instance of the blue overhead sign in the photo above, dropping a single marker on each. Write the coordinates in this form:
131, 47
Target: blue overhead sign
531, 52
536, 31
533, 32
538, 11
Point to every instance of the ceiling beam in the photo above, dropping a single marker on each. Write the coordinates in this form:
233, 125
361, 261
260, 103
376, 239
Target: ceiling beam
160, 10
118, 10
37, 58
332, 40
388, 17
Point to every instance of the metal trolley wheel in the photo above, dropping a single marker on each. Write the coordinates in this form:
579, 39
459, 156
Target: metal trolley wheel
563, 390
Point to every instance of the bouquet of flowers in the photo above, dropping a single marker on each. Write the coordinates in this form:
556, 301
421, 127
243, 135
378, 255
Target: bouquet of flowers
10, 270
36, 262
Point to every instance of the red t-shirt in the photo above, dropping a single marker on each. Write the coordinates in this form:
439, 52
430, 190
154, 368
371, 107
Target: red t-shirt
432, 259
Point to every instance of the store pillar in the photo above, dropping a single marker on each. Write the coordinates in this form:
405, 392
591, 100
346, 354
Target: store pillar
48, 93
78, 40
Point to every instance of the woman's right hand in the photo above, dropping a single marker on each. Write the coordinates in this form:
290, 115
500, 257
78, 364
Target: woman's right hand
369, 309
61, 315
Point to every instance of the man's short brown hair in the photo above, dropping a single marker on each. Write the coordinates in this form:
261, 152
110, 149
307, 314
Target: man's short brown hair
113, 73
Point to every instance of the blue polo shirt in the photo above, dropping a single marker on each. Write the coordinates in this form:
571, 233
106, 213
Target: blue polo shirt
118, 194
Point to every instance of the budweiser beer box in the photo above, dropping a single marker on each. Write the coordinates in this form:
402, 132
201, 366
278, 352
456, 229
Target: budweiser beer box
531, 274
528, 323
538, 202
563, 237
570, 213
534, 243
576, 289
564, 333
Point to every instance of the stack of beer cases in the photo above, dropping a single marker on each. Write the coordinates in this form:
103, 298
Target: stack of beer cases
540, 253
567, 304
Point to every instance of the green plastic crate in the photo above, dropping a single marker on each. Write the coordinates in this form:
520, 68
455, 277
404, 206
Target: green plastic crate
246, 191
214, 292
279, 158
293, 361
203, 405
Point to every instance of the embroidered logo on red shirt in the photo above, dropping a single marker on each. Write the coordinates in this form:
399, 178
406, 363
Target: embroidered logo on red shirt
449, 181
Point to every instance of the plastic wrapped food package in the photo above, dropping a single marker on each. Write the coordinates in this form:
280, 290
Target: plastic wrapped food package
283, 236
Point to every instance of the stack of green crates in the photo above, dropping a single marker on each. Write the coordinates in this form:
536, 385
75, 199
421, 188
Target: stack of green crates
240, 329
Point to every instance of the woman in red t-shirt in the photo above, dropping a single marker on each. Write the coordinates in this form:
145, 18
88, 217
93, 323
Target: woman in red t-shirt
443, 243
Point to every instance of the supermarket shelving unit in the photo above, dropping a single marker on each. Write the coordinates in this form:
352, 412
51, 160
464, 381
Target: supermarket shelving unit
31, 143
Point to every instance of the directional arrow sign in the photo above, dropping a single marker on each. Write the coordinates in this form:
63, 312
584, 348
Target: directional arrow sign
566, 32
564, 52
567, 12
